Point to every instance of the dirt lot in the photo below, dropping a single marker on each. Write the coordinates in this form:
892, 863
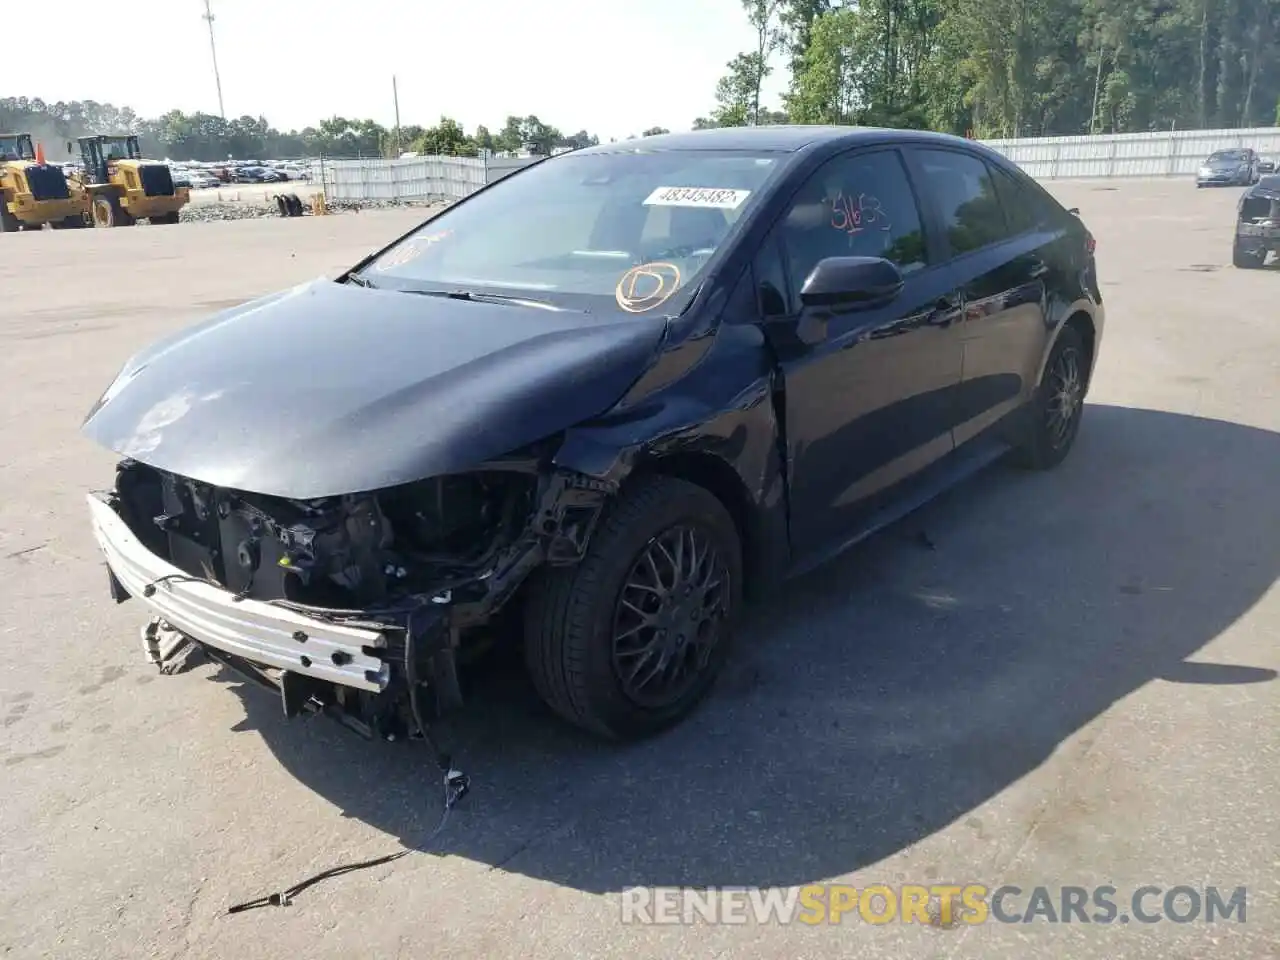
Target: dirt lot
1077, 686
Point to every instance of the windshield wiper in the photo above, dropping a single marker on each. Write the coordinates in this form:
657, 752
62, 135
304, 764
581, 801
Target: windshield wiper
488, 298
360, 281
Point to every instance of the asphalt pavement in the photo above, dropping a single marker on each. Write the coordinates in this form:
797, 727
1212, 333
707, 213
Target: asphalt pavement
1038, 680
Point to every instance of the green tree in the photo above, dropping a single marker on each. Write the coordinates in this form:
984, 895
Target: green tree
446, 139
579, 140
763, 15
824, 87
797, 18
737, 91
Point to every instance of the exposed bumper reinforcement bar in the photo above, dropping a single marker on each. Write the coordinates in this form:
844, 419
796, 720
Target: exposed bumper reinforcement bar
250, 629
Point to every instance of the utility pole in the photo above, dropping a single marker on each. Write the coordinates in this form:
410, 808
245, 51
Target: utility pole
213, 49
395, 96
1097, 79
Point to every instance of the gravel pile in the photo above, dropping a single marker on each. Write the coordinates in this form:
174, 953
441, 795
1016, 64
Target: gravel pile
246, 210
347, 206
233, 210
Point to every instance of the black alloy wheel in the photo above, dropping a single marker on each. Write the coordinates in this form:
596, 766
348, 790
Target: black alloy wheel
1058, 405
629, 640
667, 620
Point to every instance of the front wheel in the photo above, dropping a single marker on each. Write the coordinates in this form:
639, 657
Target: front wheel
1058, 405
629, 640
107, 212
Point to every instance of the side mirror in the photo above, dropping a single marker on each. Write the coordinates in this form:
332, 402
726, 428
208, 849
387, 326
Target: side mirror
1075, 211
852, 282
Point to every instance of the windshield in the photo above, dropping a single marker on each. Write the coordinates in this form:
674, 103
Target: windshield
15, 148
1228, 155
117, 148
611, 231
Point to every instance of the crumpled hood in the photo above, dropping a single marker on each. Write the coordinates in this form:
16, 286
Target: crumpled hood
330, 388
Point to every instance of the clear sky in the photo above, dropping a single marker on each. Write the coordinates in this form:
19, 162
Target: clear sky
613, 67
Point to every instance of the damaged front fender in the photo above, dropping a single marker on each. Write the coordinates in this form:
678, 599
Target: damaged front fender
717, 427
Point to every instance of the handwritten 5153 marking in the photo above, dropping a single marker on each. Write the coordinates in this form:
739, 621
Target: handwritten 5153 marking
851, 214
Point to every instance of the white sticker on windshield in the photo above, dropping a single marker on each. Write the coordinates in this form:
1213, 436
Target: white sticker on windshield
715, 197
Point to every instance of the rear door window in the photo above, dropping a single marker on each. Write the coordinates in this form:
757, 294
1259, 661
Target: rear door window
965, 197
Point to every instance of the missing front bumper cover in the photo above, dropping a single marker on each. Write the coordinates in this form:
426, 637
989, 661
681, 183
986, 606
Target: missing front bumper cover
385, 672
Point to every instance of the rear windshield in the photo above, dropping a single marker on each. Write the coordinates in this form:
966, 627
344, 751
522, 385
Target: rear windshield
629, 231
1229, 155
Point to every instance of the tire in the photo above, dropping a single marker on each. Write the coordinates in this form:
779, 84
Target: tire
165, 218
69, 223
572, 613
107, 212
1048, 441
1243, 259
8, 222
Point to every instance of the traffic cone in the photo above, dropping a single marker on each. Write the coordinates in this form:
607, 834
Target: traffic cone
40, 154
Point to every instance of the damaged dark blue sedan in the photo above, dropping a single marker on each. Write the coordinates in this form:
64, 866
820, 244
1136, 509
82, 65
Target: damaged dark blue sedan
587, 410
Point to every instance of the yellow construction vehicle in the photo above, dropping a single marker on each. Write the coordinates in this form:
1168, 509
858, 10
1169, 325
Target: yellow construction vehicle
120, 188
32, 192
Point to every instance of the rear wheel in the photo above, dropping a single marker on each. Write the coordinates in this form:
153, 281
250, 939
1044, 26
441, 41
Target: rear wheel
1245, 258
630, 640
1058, 404
8, 222
107, 212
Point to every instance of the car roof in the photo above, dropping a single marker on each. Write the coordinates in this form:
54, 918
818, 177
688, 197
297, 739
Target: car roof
773, 138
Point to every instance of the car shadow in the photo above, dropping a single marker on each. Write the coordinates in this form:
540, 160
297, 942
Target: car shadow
874, 701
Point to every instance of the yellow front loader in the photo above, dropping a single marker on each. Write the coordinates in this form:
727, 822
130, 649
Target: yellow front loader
120, 188
32, 192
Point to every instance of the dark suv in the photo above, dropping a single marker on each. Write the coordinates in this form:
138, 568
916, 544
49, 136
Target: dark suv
582, 409
1257, 224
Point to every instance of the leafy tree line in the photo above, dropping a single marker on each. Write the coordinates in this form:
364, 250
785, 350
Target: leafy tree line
1006, 68
202, 136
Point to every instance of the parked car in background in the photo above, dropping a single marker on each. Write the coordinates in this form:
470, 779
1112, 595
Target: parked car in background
603, 396
1237, 166
292, 171
1257, 224
1266, 165
255, 174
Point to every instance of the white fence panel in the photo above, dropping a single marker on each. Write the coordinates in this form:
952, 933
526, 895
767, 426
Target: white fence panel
417, 178
414, 178
1167, 154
